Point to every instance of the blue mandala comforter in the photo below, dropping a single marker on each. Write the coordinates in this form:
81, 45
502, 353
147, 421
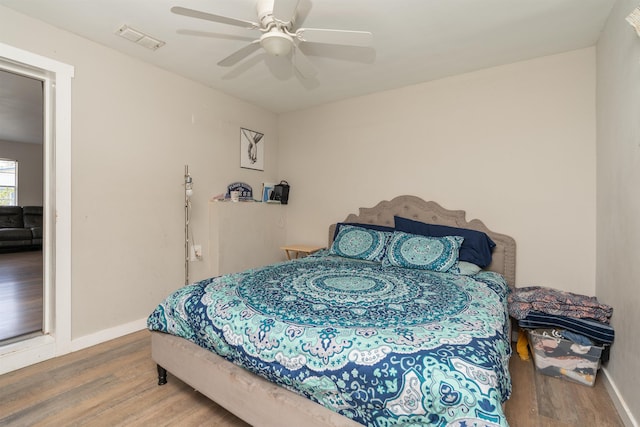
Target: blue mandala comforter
381, 345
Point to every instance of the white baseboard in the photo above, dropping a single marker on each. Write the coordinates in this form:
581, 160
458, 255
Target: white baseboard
108, 334
623, 410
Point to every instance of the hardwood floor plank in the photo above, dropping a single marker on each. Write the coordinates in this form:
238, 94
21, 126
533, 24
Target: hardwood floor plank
49, 381
48, 408
21, 290
115, 384
122, 389
522, 405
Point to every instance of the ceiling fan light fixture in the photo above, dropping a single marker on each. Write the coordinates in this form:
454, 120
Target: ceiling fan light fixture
276, 43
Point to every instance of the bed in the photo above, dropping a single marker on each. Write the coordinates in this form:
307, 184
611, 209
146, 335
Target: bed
351, 352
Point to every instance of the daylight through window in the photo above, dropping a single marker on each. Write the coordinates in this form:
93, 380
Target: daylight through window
8, 182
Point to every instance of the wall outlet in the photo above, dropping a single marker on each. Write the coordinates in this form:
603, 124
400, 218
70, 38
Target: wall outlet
197, 251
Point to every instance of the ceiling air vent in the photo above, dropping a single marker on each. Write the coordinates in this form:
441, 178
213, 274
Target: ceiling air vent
139, 37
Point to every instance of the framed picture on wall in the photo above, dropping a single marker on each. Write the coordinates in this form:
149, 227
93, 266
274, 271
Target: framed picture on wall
251, 149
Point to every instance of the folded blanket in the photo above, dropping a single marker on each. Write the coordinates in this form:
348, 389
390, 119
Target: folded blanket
556, 302
599, 332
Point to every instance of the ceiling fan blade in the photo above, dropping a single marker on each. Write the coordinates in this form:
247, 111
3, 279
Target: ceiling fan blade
210, 34
303, 65
285, 10
239, 55
342, 37
215, 18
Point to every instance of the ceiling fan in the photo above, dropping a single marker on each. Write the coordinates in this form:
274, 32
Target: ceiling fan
279, 34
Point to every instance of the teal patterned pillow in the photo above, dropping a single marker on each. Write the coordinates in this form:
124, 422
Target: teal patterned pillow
465, 268
360, 243
422, 252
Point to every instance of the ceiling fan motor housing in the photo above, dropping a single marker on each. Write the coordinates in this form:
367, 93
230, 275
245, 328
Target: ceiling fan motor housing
265, 12
264, 9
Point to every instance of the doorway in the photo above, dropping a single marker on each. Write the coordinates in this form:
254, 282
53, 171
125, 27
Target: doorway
55, 336
21, 206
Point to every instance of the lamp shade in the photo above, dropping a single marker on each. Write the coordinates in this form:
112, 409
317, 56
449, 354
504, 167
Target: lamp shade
276, 43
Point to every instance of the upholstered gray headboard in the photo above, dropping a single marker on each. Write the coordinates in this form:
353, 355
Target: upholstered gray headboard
412, 207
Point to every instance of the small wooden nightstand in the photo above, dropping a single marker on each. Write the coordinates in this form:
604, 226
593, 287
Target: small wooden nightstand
300, 249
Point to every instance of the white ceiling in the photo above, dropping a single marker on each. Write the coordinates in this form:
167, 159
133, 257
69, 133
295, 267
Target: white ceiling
21, 109
414, 40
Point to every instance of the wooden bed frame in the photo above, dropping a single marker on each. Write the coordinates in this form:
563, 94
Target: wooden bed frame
261, 403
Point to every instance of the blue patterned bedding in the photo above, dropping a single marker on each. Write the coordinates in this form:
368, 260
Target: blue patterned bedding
382, 345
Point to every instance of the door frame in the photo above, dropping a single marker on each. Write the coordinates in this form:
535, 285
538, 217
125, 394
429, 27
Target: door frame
56, 338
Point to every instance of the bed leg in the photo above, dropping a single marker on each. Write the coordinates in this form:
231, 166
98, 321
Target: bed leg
162, 375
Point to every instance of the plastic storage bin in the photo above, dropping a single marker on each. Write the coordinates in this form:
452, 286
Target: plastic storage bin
562, 358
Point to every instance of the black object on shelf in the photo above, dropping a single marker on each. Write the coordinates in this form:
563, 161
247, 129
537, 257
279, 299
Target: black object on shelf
281, 192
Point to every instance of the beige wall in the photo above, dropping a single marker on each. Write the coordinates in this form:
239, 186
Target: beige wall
134, 127
29, 157
512, 145
618, 201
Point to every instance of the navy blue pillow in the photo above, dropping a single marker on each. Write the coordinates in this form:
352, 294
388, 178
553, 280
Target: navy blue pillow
368, 226
476, 247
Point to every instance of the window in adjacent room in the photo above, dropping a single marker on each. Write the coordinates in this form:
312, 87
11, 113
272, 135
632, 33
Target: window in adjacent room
8, 182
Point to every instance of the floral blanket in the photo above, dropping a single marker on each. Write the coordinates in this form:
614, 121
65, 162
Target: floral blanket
559, 303
378, 344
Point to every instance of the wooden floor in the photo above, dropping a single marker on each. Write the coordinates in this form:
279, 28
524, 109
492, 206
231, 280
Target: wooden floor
114, 384
20, 293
